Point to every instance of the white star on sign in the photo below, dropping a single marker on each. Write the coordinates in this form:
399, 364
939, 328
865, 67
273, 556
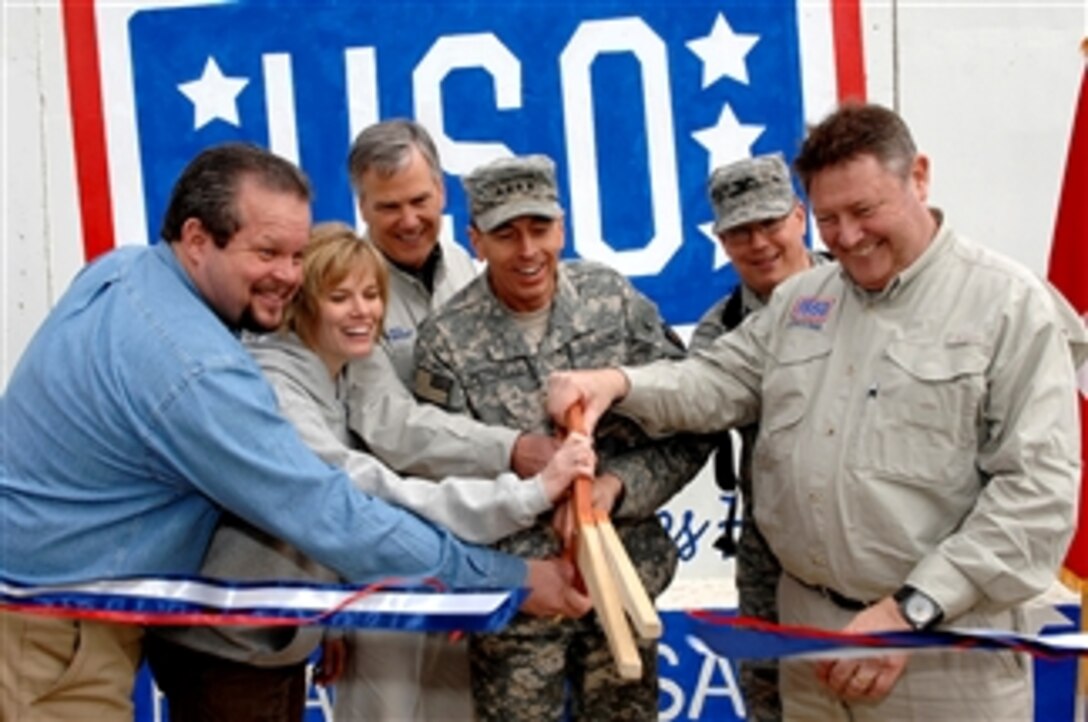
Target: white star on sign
720, 259
214, 95
723, 52
728, 140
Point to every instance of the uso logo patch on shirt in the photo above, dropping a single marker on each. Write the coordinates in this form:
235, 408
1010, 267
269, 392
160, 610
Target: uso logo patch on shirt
811, 311
398, 333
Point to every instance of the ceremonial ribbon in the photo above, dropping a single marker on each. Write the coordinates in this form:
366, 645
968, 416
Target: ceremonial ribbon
195, 600
750, 638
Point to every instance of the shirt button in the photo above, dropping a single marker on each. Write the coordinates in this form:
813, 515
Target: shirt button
831, 431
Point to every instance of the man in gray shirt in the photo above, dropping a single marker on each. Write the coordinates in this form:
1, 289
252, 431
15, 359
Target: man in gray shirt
395, 170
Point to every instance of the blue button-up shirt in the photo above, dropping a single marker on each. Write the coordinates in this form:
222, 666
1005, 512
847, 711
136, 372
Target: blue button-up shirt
135, 416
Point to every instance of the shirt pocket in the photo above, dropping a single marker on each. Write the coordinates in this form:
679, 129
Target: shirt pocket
910, 474
605, 345
506, 392
933, 393
789, 386
921, 437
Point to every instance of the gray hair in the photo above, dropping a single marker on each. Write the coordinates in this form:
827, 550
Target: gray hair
385, 146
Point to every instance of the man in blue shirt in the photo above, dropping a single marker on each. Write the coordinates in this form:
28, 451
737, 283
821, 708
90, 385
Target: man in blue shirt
135, 416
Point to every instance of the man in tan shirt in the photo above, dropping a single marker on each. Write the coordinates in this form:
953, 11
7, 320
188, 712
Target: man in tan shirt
918, 455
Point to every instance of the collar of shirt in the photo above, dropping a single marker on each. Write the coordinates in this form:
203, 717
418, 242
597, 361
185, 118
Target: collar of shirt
165, 252
426, 273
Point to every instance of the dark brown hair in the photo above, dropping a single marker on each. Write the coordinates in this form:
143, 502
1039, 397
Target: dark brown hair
853, 130
208, 187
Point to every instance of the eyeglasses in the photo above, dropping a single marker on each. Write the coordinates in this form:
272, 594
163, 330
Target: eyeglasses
741, 236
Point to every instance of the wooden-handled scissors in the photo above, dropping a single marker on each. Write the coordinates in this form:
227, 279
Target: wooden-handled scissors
610, 578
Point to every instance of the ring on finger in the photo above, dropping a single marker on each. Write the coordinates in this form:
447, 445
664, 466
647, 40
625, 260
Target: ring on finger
861, 682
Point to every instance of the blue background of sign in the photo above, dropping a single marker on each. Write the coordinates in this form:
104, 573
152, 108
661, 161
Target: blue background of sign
171, 46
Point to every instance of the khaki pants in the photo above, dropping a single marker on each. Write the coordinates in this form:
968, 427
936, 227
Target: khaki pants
66, 669
944, 684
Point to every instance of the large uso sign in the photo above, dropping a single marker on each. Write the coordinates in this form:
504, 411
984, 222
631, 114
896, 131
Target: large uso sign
635, 100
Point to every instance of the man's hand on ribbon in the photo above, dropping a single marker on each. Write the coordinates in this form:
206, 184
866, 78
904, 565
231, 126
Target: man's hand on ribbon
867, 678
552, 591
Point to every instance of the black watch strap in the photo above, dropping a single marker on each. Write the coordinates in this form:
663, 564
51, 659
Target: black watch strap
921, 611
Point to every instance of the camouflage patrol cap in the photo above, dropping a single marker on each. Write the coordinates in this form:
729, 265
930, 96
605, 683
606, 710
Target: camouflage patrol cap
753, 189
509, 188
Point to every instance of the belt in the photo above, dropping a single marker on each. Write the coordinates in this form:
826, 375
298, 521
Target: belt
839, 600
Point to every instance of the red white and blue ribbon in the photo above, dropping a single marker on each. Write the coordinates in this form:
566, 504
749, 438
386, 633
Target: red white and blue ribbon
749, 638
194, 600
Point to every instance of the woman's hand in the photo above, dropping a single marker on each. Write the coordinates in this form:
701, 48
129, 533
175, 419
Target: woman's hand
574, 458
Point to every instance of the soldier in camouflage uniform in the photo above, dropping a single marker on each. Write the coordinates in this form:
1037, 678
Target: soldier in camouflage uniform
761, 224
488, 353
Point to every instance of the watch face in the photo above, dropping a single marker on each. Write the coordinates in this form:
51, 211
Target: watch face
919, 610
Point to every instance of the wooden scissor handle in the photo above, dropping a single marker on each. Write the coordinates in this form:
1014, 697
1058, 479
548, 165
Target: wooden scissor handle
583, 485
596, 569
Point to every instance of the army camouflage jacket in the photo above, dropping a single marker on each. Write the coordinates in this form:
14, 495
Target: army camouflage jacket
471, 357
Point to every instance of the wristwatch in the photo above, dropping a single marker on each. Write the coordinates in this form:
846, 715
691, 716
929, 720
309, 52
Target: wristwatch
918, 608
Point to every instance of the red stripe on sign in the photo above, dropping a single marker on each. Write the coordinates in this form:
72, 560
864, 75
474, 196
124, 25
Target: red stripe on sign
88, 126
849, 50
